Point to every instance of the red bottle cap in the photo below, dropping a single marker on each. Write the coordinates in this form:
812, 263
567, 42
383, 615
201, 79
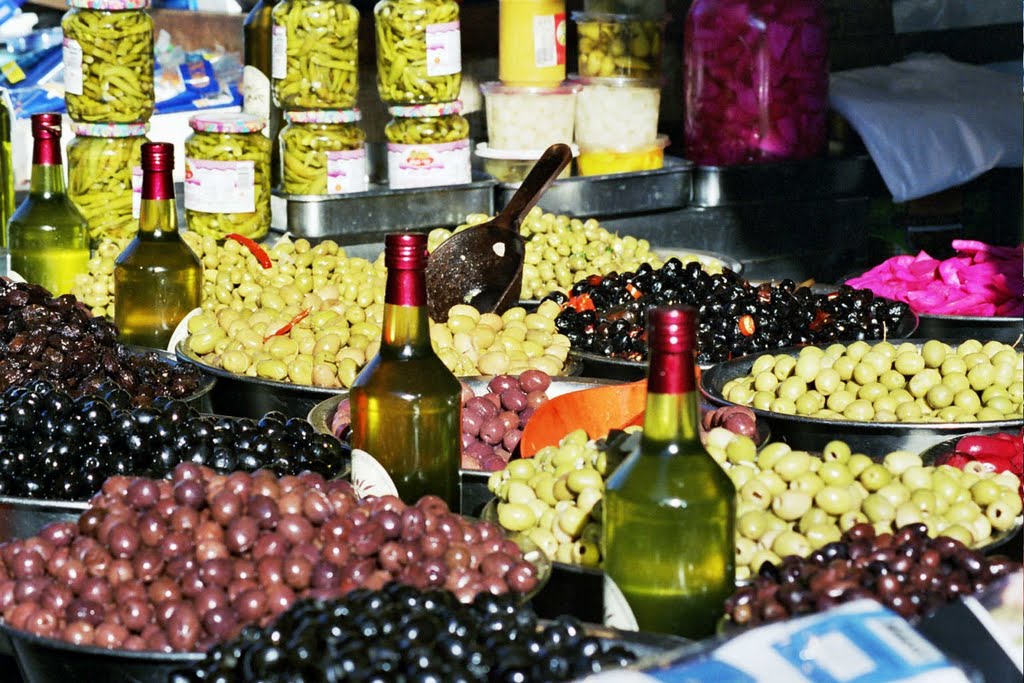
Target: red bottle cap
46, 126
157, 156
405, 251
672, 329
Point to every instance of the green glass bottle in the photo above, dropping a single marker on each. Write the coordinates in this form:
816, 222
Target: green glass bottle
6, 172
406, 405
670, 509
157, 278
47, 236
257, 55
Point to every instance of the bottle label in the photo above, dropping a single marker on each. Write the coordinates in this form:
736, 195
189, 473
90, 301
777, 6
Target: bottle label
256, 94
549, 40
72, 67
428, 165
444, 49
278, 52
136, 191
220, 186
617, 612
346, 171
369, 478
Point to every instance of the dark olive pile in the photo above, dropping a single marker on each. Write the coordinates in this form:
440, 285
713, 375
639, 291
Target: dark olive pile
606, 315
400, 634
906, 571
56, 339
62, 448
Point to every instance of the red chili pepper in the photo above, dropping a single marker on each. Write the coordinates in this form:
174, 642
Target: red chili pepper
287, 327
747, 325
254, 249
633, 291
987, 448
582, 302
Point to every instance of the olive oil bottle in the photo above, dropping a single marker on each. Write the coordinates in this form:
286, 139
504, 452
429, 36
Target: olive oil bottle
670, 509
406, 407
157, 278
257, 100
47, 236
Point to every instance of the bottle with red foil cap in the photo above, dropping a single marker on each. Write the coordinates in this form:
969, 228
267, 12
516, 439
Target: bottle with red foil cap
406, 405
670, 509
157, 278
48, 236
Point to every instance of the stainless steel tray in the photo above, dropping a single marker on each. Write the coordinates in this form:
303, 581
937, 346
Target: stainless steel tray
364, 215
616, 194
785, 181
963, 327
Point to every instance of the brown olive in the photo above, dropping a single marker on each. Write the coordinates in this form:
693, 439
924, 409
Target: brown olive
183, 628
89, 611
143, 494
211, 550
190, 493
225, 506
298, 572
135, 615
295, 528
264, 510
522, 577
251, 605
270, 570
79, 633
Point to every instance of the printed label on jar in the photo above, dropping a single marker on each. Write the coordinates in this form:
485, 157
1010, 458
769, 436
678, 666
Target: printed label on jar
346, 171
428, 165
136, 191
549, 40
72, 67
220, 186
278, 52
617, 612
256, 94
444, 49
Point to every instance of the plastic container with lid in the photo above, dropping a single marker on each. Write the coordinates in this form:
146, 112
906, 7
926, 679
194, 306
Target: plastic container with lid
419, 51
755, 81
105, 176
529, 118
428, 145
622, 159
315, 54
513, 165
108, 61
227, 175
616, 113
624, 45
323, 152
531, 42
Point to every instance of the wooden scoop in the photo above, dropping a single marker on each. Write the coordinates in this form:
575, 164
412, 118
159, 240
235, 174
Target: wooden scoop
596, 411
483, 265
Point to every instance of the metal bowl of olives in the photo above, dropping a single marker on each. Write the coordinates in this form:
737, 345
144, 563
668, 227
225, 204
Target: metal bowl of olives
873, 438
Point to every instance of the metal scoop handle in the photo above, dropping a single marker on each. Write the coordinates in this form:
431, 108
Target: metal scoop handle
551, 163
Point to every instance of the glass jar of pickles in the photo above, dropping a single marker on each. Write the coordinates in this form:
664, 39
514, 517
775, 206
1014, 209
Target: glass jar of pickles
227, 176
108, 61
419, 51
104, 173
323, 152
315, 54
623, 45
428, 144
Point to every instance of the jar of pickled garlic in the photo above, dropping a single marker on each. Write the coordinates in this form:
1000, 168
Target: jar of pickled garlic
428, 145
755, 81
323, 152
108, 61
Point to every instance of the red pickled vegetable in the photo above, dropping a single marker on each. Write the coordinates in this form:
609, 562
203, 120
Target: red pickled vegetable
255, 249
981, 280
1004, 452
287, 327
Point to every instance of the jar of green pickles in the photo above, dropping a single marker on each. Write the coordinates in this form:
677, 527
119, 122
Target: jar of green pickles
428, 144
227, 176
323, 152
108, 61
315, 54
105, 176
419, 51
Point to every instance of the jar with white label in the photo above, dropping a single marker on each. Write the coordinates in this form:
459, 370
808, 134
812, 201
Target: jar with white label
103, 172
419, 51
315, 54
108, 61
323, 153
428, 145
531, 42
227, 176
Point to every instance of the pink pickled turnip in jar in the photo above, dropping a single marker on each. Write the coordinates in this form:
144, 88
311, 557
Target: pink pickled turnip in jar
756, 80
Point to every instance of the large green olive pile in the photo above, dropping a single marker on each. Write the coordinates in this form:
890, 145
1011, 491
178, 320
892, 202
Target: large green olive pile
933, 382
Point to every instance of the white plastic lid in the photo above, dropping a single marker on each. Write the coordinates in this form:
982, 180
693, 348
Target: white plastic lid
499, 88
485, 152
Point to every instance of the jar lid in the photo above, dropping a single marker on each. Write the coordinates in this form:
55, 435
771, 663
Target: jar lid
227, 122
617, 81
109, 5
432, 109
612, 18
499, 88
324, 116
484, 151
661, 142
110, 130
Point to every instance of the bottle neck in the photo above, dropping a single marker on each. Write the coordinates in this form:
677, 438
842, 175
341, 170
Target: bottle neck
672, 414
406, 325
47, 169
158, 215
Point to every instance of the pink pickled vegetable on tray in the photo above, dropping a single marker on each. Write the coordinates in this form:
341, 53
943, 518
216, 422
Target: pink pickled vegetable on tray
982, 280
